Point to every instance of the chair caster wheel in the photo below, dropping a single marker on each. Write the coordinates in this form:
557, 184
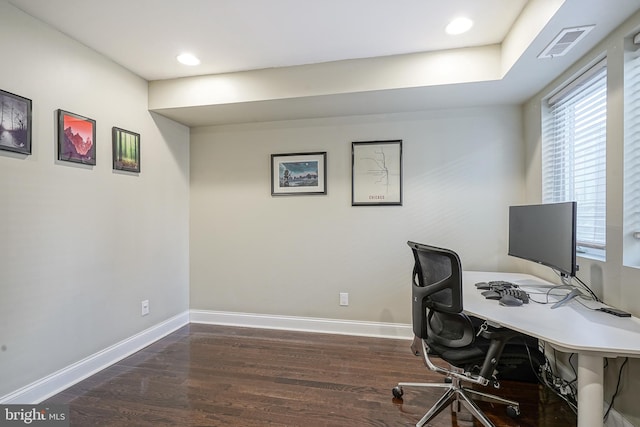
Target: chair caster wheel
513, 411
397, 392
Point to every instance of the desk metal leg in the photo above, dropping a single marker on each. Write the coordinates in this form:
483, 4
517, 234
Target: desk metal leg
590, 390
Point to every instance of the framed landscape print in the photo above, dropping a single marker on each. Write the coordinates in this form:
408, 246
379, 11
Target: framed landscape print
126, 150
15, 123
298, 174
376, 173
76, 138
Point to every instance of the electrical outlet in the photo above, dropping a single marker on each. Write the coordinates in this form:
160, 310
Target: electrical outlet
145, 307
344, 298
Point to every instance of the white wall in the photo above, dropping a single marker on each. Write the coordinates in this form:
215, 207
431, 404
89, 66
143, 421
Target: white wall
254, 253
616, 284
80, 246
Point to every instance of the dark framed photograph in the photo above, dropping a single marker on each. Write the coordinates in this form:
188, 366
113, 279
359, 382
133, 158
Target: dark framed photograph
15, 123
376, 173
298, 174
76, 138
126, 150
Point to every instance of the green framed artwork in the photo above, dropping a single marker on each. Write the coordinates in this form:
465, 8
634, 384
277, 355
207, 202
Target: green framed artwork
126, 150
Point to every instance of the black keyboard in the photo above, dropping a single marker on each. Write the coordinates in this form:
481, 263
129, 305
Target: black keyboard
497, 285
515, 292
497, 288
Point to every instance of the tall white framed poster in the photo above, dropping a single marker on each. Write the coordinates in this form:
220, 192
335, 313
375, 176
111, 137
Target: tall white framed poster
376, 173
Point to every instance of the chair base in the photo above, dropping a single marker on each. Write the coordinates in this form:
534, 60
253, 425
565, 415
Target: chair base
455, 392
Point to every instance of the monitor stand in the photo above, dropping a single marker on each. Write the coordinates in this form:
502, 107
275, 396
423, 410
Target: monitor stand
571, 295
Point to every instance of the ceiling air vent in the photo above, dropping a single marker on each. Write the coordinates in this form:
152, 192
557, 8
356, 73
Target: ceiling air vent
564, 41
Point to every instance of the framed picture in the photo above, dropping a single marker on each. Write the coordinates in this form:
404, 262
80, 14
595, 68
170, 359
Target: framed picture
15, 123
376, 173
126, 150
76, 138
298, 173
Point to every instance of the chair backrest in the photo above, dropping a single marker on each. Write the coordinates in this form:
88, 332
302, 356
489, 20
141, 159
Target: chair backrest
437, 291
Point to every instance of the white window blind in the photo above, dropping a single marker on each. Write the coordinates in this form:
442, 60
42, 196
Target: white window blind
632, 158
574, 154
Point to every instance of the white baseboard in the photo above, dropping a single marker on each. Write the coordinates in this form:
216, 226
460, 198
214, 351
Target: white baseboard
306, 324
615, 419
52, 384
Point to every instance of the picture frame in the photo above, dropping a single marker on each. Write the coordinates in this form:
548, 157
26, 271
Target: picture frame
125, 150
15, 123
76, 138
299, 174
376, 173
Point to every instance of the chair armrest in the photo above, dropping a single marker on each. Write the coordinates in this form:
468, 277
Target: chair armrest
498, 338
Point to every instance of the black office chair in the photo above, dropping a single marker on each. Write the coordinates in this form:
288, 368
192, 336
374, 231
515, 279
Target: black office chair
468, 344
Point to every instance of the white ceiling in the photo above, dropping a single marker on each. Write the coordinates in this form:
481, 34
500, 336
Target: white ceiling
145, 36
228, 36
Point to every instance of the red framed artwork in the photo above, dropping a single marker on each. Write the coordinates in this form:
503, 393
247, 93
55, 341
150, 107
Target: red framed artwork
76, 138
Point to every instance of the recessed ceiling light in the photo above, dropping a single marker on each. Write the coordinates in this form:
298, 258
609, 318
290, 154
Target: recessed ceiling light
188, 59
459, 26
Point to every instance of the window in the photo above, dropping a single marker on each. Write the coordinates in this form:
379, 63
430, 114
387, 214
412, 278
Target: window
631, 225
574, 154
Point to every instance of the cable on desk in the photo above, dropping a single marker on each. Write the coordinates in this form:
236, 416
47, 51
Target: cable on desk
546, 294
584, 285
586, 306
564, 280
615, 394
549, 292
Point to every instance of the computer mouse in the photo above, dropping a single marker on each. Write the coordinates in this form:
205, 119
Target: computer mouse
510, 301
491, 295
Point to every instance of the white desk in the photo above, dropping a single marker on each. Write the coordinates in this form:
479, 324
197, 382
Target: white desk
571, 328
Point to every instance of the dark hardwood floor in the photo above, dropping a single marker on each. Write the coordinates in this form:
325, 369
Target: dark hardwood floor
206, 375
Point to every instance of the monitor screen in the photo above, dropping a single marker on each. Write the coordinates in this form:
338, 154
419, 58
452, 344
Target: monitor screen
545, 234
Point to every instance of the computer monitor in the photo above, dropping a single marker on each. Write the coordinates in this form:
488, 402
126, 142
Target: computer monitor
545, 234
